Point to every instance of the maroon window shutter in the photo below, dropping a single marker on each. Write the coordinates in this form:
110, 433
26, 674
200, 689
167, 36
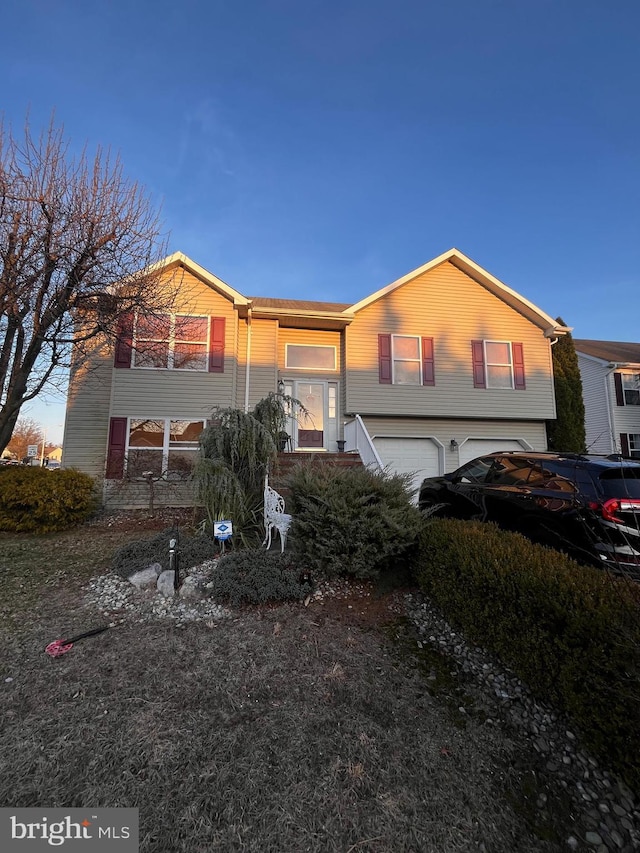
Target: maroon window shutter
124, 341
216, 345
384, 359
117, 445
518, 367
624, 443
617, 379
477, 355
428, 369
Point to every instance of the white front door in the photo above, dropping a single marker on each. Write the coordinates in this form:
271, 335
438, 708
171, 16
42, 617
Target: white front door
314, 427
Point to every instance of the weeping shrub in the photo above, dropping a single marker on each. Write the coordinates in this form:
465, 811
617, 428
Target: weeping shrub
235, 451
274, 412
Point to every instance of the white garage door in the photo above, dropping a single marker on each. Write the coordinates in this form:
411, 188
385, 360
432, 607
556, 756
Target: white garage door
480, 446
417, 456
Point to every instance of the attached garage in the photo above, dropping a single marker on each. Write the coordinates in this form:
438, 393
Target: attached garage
473, 447
417, 456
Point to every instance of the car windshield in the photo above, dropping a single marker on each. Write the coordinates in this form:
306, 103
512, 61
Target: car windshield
621, 482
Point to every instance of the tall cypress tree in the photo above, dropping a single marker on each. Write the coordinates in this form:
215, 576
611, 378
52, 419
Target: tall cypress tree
567, 432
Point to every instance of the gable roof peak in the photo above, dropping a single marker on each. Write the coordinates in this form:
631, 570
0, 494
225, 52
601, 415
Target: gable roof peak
550, 327
180, 259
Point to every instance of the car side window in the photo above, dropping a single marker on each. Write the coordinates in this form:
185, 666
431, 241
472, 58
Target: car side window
557, 478
474, 472
510, 471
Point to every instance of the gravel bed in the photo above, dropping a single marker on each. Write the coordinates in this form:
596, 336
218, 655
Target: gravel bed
609, 814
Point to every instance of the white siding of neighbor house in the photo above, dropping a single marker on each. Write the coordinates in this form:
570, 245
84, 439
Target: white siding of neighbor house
625, 418
454, 309
595, 388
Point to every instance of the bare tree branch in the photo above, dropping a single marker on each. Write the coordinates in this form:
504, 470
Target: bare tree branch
79, 244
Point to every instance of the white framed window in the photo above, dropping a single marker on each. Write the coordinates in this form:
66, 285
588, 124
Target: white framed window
310, 357
634, 444
164, 446
631, 388
332, 402
172, 342
406, 359
498, 358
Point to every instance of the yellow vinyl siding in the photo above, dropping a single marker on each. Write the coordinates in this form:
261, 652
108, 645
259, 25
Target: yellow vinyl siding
453, 309
87, 417
309, 337
139, 392
444, 429
263, 376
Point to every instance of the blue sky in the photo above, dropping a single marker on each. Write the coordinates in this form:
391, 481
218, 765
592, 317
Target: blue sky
314, 149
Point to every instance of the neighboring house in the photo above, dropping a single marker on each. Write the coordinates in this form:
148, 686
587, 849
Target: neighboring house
55, 455
610, 373
442, 365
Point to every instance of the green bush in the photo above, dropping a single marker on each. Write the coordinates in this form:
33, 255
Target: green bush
37, 500
571, 632
255, 577
136, 555
351, 521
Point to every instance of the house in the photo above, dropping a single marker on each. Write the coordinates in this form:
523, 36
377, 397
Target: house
442, 365
55, 455
610, 372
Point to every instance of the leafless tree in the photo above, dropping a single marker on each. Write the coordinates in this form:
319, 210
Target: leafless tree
79, 247
26, 431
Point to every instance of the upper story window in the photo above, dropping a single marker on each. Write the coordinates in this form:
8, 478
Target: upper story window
171, 342
178, 342
498, 364
310, 357
631, 388
405, 360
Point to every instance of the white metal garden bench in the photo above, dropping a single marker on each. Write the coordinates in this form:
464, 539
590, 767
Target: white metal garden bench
275, 518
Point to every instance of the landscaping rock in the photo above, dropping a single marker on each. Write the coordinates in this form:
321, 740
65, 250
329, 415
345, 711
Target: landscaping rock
146, 577
165, 583
191, 588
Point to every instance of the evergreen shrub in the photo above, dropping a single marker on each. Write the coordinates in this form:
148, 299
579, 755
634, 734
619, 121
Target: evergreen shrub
571, 632
257, 577
37, 500
351, 521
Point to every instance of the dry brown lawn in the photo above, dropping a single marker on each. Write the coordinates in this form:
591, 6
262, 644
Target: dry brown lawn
281, 728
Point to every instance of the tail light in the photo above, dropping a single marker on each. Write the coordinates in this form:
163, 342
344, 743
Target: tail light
614, 505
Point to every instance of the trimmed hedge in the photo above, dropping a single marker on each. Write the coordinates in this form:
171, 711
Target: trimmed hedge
351, 521
37, 500
571, 632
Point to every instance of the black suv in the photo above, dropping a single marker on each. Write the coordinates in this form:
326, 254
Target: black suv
588, 506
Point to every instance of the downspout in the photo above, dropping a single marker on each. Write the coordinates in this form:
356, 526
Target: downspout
247, 374
607, 397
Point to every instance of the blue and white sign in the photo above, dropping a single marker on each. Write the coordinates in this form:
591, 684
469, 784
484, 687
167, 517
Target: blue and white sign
222, 530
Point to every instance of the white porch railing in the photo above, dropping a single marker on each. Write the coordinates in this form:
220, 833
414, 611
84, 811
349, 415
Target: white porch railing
357, 438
